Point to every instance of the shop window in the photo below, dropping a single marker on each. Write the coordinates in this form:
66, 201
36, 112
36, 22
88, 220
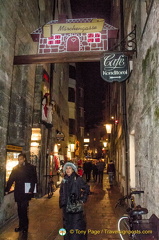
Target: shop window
11, 162
54, 40
93, 37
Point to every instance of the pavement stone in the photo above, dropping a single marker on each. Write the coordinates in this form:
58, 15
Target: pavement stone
45, 217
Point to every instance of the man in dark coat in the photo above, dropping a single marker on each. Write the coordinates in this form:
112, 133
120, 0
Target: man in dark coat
111, 172
87, 167
73, 185
100, 166
95, 171
21, 174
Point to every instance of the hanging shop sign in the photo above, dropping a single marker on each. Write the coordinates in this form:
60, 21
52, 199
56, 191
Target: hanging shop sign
14, 148
74, 35
60, 136
114, 67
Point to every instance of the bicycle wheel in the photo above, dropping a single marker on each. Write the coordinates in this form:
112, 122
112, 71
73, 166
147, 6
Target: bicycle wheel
124, 228
50, 190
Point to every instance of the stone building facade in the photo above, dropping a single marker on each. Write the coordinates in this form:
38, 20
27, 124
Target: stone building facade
22, 89
143, 100
136, 136
18, 18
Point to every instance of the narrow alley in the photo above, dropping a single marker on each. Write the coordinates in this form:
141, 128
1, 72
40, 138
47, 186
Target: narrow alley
46, 218
79, 83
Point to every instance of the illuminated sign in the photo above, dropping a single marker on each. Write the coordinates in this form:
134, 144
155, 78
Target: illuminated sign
86, 140
114, 67
13, 148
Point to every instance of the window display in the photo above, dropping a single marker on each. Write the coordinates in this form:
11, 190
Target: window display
12, 161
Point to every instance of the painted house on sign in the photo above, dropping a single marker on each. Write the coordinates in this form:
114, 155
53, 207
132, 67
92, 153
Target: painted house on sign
76, 35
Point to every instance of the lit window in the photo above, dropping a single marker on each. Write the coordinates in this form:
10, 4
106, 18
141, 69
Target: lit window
54, 40
93, 37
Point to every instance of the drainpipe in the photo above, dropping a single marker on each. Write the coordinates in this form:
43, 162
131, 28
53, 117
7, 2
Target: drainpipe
124, 102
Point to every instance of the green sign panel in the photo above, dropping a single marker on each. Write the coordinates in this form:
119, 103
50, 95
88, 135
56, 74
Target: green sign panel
114, 67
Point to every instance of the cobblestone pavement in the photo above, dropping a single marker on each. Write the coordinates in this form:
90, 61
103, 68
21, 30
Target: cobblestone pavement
45, 217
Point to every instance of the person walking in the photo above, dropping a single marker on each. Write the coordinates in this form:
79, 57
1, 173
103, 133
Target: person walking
95, 171
111, 172
22, 174
87, 167
100, 166
73, 190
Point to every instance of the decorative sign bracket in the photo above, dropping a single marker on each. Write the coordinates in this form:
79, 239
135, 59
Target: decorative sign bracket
128, 44
114, 65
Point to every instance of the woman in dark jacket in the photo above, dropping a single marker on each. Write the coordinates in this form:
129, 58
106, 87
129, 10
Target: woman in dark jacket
73, 186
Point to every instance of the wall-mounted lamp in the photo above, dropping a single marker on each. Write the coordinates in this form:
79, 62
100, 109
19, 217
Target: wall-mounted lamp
105, 144
108, 128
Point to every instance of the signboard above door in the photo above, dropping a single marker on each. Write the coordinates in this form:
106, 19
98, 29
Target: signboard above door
114, 67
74, 35
70, 40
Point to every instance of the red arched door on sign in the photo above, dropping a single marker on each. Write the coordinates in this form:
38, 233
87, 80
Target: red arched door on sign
73, 44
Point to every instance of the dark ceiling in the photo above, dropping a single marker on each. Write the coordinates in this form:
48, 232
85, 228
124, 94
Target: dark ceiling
91, 9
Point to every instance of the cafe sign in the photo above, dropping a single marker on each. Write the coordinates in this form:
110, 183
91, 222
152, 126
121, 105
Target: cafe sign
60, 136
114, 67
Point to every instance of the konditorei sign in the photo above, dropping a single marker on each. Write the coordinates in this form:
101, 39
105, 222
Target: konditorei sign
114, 67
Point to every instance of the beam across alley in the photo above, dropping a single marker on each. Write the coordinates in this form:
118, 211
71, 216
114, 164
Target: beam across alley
62, 57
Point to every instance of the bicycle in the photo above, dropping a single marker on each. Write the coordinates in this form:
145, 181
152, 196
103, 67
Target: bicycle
131, 225
50, 186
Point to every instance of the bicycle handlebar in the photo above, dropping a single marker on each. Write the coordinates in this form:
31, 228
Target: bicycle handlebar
133, 192
136, 192
127, 197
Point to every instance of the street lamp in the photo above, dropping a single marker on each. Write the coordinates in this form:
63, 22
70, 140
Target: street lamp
105, 144
108, 128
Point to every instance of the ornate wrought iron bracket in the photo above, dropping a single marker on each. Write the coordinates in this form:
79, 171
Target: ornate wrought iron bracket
128, 44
